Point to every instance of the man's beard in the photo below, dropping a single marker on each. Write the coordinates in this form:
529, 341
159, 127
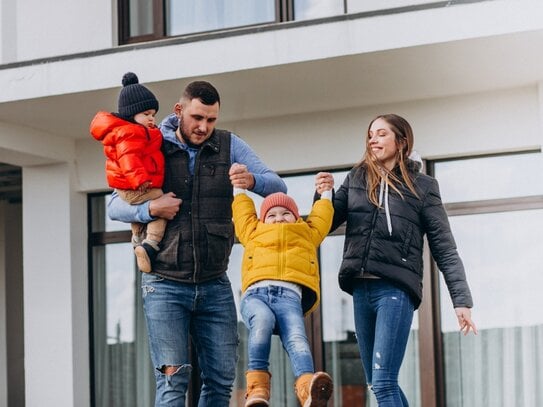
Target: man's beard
184, 136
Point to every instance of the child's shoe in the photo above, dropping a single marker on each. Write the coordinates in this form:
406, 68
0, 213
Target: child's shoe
314, 390
258, 388
145, 256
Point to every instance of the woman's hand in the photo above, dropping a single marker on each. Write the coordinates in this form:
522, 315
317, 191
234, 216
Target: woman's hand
463, 315
324, 181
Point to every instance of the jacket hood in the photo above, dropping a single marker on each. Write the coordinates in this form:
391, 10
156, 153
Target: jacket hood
414, 162
103, 123
168, 126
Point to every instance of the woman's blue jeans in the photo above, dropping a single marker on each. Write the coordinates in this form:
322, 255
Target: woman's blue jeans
207, 313
383, 314
273, 309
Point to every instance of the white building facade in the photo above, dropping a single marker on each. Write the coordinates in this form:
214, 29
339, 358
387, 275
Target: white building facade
299, 81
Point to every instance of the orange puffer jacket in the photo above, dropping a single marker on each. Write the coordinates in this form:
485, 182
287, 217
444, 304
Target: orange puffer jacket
132, 151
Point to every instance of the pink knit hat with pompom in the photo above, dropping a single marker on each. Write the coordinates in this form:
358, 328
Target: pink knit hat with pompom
278, 199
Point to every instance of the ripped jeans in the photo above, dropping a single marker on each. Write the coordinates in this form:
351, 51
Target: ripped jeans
207, 312
273, 309
383, 314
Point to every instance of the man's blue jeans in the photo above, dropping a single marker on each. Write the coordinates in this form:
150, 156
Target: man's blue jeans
207, 312
383, 314
273, 309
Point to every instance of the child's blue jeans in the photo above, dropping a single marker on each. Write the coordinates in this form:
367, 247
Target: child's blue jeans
273, 309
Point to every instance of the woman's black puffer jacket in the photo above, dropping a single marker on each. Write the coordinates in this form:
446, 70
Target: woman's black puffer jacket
397, 256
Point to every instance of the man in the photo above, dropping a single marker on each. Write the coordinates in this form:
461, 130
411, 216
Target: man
188, 291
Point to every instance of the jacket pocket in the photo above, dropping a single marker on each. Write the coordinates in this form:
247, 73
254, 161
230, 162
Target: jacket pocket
169, 258
219, 241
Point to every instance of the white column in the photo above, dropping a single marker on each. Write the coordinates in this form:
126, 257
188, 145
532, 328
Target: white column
55, 288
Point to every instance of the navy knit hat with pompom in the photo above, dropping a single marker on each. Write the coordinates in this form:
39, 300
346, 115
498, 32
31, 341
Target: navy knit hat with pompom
135, 98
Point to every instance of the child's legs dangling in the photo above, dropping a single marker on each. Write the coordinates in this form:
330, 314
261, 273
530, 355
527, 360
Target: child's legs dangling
138, 233
287, 306
260, 321
155, 232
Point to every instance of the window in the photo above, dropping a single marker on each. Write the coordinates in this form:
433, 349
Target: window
187, 16
121, 370
497, 221
146, 21
310, 9
496, 217
141, 21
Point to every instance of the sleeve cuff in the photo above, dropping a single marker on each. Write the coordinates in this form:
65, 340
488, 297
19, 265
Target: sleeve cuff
238, 191
327, 195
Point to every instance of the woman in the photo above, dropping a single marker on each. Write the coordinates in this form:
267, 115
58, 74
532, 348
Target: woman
389, 205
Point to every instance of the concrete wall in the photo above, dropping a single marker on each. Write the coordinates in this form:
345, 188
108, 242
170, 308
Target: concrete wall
499, 121
58, 28
455, 126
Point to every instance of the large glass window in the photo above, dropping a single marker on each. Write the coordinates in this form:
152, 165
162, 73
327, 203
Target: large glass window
151, 20
140, 17
357, 6
499, 244
122, 375
310, 9
188, 16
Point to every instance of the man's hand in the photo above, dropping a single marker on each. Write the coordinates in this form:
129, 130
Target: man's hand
165, 207
240, 177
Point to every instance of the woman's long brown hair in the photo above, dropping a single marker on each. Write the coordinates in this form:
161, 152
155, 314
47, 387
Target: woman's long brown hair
375, 171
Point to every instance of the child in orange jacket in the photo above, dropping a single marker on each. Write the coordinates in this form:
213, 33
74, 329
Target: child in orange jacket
280, 283
134, 160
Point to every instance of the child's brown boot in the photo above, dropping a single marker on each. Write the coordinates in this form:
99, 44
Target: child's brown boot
258, 388
145, 256
314, 390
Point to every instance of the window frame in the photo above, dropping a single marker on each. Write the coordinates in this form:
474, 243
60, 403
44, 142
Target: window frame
432, 358
284, 12
123, 9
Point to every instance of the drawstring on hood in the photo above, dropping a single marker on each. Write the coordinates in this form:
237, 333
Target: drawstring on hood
383, 192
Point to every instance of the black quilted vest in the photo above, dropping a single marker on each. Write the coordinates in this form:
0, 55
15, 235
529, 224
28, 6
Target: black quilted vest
198, 241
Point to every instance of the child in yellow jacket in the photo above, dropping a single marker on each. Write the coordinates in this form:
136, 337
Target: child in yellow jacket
280, 284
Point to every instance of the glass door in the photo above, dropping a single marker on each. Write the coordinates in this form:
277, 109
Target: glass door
497, 221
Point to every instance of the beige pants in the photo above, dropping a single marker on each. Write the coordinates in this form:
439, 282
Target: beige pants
154, 230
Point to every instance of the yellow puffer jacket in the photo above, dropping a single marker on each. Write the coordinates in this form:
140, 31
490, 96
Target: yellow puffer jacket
282, 251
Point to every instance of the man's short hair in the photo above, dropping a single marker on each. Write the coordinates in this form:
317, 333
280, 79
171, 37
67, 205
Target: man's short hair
202, 90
